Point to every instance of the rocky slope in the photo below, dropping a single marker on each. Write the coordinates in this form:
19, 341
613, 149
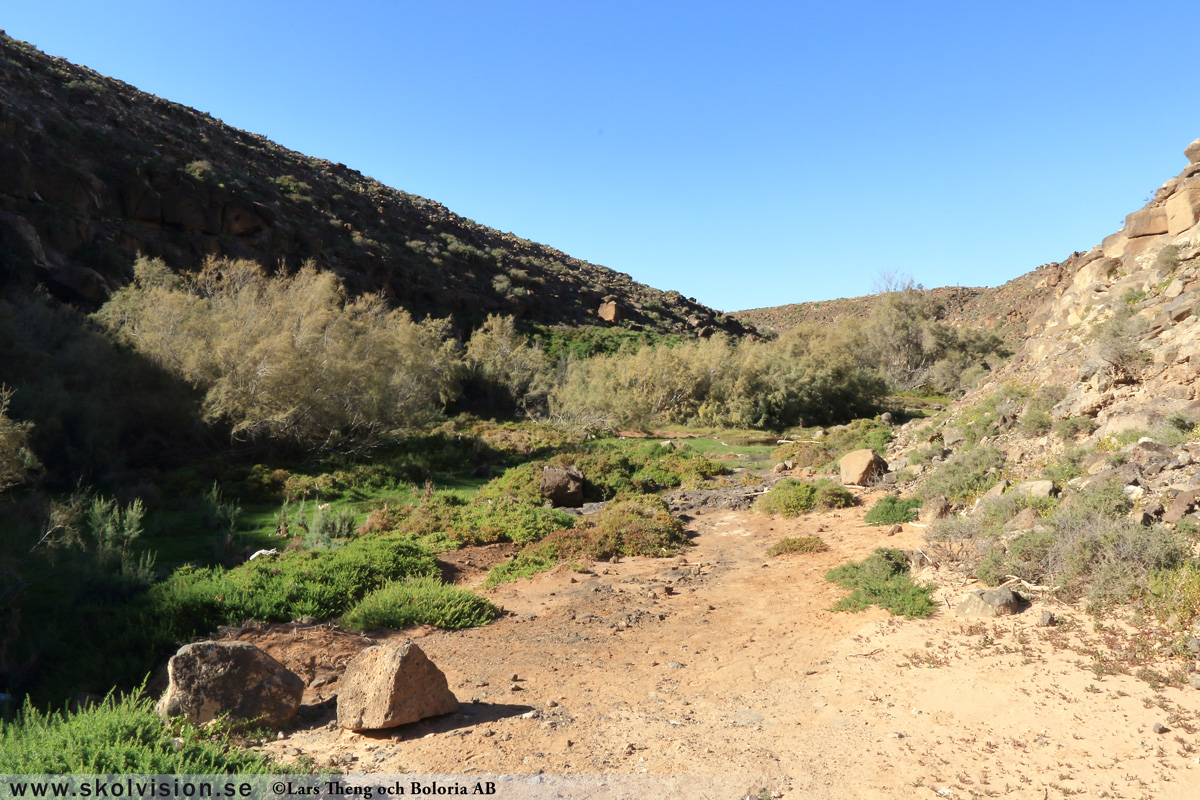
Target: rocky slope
93, 172
1116, 338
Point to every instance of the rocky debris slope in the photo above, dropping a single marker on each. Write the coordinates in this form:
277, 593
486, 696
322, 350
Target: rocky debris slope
1114, 353
93, 172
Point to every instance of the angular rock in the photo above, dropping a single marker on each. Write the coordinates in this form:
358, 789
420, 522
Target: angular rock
933, 509
1180, 506
953, 436
862, 467
1025, 520
609, 311
998, 489
392, 685
1144, 452
989, 603
562, 486
1179, 309
1183, 210
1192, 151
1035, 488
1147, 222
208, 679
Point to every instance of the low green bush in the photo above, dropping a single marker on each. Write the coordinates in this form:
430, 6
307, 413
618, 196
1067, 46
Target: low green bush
882, 579
797, 544
419, 601
1074, 427
791, 497
1035, 423
890, 510
118, 736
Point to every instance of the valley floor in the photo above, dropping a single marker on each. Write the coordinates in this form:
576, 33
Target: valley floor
726, 662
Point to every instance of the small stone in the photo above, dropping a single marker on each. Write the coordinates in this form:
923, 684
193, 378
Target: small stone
1160, 728
674, 665
1048, 619
514, 688
897, 528
515, 677
1194, 680
552, 704
895, 735
810, 672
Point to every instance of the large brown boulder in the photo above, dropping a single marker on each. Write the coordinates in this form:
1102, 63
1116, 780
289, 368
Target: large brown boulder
392, 685
1192, 151
562, 486
1147, 222
862, 467
209, 679
609, 311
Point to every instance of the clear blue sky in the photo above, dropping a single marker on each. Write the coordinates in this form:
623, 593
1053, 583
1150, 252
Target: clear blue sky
747, 154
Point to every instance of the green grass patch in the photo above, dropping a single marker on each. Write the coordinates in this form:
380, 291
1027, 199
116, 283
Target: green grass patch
890, 510
119, 736
882, 579
797, 544
420, 601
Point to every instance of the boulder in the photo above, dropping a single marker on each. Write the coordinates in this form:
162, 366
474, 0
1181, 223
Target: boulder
562, 486
989, 603
1145, 452
998, 489
1192, 151
1180, 506
1025, 520
609, 311
392, 685
862, 467
1183, 210
1147, 222
208, 679
933, 509
953, 436
1035, 488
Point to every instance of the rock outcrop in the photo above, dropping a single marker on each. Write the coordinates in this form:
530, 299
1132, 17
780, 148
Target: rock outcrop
862, 467
562, 486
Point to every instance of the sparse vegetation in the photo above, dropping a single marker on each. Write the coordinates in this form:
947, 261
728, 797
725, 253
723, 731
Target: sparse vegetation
797, 544
965, 475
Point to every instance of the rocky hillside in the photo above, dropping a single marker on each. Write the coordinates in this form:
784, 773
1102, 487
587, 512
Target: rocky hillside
1111, 356
1003, 310
93, 172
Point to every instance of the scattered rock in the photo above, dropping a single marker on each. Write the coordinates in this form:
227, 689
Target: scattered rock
1035, 488
1025, 520
989, 603
933, 509
1160, 728
886, 418
1183, 503
392, 685
208, 679
953, 436
563, 486
895, 529
1048, 619
862, 467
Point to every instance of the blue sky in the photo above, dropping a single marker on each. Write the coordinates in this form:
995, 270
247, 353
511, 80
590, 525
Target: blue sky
746, 154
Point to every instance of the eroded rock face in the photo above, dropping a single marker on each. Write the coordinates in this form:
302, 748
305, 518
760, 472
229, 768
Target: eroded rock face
208, 679
862, 467
562, 486
392, 685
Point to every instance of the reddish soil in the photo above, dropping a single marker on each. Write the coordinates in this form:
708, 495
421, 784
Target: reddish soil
726, 662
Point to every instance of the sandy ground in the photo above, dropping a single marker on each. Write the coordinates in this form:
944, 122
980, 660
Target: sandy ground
724, 662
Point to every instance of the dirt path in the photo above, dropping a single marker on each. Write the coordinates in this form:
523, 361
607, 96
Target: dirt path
726, 662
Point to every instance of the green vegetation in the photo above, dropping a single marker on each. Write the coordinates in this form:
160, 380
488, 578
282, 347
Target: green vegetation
797, 544
791, 498
118, 736
882, 579
965, 475
419, 601
890, 510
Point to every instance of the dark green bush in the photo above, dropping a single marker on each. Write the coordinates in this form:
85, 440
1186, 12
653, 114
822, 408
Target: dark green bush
419, 601
890, 509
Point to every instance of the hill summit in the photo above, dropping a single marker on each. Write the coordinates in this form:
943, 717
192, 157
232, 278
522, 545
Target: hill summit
94, 172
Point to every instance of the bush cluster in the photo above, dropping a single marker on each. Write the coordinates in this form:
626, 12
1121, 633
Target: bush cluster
882, 579
890, 509
791, 497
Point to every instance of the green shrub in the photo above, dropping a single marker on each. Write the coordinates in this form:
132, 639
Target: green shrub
118, 737
1176, 593
800, 544
1035, 423
791, 497
1067, 466
419, 601
1074, 427
882, 579
890, 509
966, 474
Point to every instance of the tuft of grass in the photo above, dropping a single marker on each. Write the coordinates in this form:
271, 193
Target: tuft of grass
119, 736
791, 497
797, 544
420, 601
882, 579
890, 509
